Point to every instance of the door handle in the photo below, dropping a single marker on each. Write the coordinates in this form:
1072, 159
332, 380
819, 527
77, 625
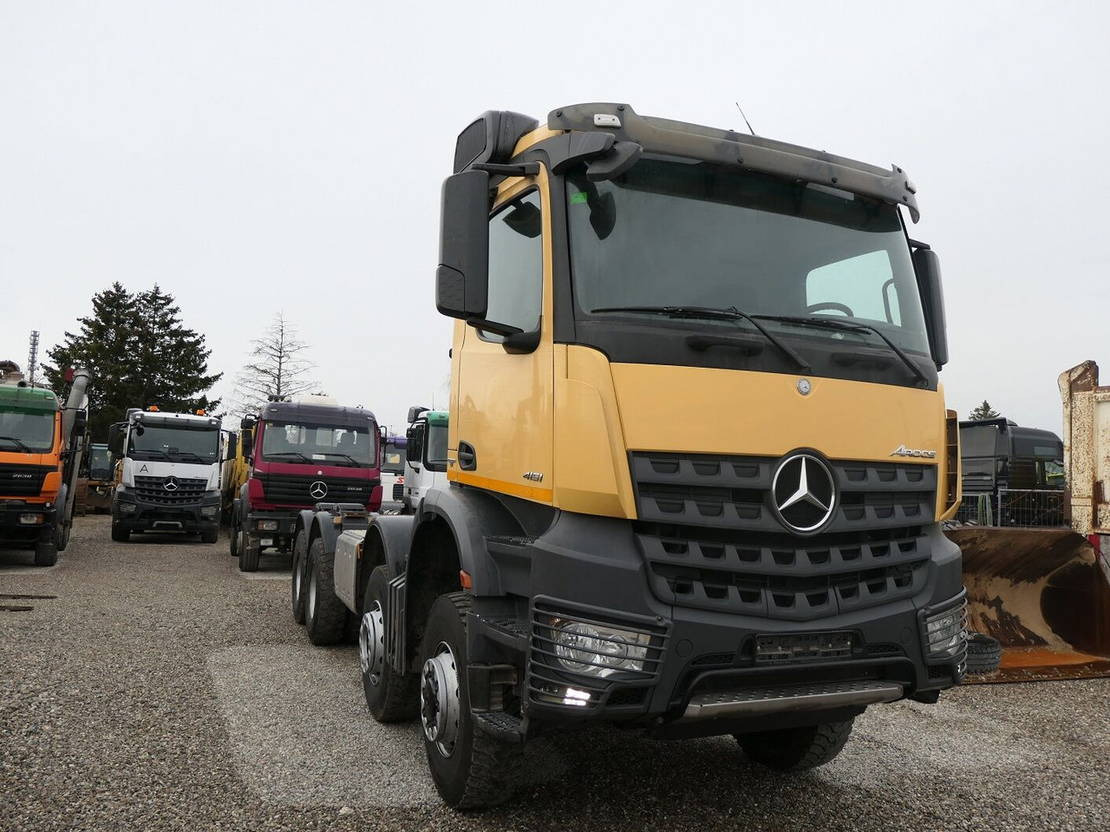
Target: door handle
468, 459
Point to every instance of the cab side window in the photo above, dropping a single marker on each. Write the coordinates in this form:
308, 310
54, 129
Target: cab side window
516, 265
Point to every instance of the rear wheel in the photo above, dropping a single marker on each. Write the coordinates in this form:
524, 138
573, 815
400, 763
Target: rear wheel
471, 769
796, 749
390, 696
46, 553
120, 533
325, 615
297, 581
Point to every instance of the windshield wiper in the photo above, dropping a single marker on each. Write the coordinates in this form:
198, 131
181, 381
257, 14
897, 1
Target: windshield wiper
713, 313
18, 442
337, 453
286, 453
850, 326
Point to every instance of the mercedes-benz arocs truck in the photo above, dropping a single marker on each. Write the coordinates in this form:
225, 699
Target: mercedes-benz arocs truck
169, 479
698, 453
41, 443
301, 453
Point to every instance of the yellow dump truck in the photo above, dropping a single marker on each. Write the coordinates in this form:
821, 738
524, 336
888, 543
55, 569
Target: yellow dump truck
698, 454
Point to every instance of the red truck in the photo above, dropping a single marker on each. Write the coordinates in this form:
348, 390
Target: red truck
300, 454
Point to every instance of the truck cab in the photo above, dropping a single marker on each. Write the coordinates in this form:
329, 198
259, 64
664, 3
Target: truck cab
169, 473
301, 453
393, 470
425, 455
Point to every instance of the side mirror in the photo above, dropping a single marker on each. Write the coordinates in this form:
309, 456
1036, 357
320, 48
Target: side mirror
246, 437
414, 413
232, 446
414, 444
462, 277
115, 439
247, 423
926, 264
80, 422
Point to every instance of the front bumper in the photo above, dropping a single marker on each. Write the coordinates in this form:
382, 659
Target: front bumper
137, 515
591, 570
13, 531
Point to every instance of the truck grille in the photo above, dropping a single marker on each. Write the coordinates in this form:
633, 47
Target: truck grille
294, 489
182, 490
22, 480
398, 491
711, 539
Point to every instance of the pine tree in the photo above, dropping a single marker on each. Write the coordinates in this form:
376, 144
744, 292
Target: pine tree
983, 411
278, 369
139, 354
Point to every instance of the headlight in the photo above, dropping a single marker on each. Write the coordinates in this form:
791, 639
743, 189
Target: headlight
597, 650
944, 631
30, 519
268, 525
127, 508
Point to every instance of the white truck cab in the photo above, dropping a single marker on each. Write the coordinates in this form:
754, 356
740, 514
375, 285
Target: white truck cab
425, 455
169, 475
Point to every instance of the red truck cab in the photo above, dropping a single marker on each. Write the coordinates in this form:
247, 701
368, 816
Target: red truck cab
301, 454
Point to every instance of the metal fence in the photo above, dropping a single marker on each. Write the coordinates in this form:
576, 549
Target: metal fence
1014, 507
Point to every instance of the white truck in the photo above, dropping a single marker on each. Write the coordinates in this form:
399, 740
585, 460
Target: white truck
169, 480
425, 455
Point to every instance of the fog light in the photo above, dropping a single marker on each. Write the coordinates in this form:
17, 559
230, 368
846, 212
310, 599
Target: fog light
127, 508
268, 525
208, 511
944, 631
596, 649
31, 519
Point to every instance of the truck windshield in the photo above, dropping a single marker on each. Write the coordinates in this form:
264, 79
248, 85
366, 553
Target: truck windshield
26, 431
175, 444
331, 444
692, 234
393, 458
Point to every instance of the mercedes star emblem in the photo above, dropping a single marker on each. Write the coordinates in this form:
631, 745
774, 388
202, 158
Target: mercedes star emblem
170, 483
803, 493
318, 490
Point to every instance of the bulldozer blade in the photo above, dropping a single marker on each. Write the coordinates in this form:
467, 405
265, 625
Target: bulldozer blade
1044, 594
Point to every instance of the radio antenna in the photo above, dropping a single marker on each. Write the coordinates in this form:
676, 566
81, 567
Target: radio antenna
741, 109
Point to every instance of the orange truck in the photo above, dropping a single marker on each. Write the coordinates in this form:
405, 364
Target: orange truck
41, 441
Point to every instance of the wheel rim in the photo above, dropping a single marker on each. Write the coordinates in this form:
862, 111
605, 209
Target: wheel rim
312, 595
439, 700
371, 644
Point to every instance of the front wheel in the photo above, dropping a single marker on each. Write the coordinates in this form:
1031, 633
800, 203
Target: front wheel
390, 696
46, 553
796, 749
233, 537
250, 550
210, 535
471, 770
325, 615
63, 535
120, 533
297, 580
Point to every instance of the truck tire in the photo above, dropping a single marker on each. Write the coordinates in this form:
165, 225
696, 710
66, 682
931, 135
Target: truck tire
233, 540
297, 581
796, 749
249, 552
390, 696
984, 654
210, 535
46, 553
470, 769
325, 617
63, 536
120, 533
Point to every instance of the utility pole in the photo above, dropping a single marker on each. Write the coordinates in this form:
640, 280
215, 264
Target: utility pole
33, 357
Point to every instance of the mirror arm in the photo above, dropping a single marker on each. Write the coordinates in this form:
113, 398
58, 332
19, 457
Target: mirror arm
494, 327
522, 169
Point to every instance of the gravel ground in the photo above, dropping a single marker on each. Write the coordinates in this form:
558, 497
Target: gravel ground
161, 689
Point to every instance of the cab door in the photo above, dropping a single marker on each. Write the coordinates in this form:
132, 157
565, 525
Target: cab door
501, 420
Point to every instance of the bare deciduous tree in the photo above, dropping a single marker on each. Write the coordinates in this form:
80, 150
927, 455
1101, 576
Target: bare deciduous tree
277, 369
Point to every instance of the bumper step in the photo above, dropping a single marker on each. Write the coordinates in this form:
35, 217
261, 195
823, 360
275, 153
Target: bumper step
783, 699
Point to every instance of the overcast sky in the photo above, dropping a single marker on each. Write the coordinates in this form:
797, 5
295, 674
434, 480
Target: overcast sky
252, 157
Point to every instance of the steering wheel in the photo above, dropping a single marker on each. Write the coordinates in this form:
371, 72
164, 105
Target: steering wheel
832, 306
